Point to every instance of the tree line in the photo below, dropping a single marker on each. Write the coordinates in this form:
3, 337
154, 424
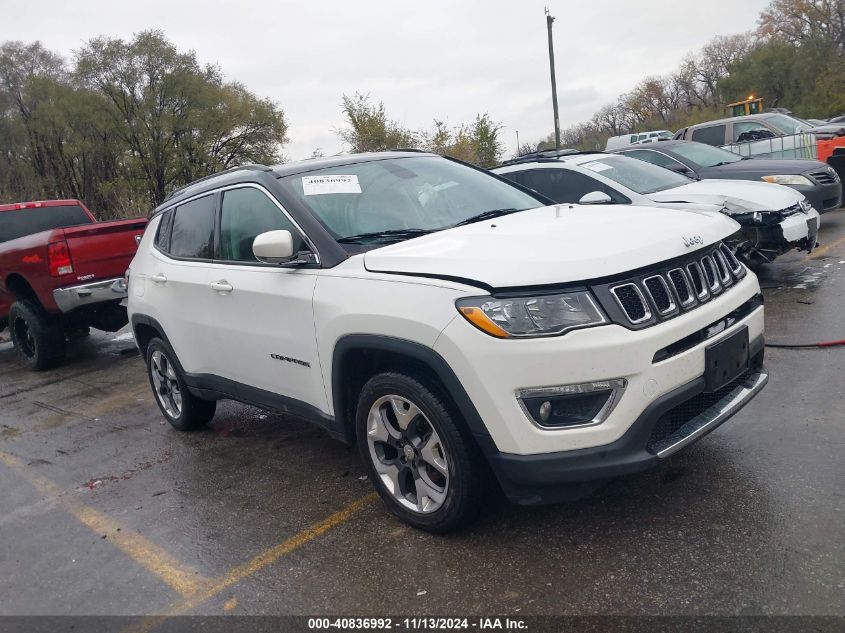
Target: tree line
795, 58
123, 123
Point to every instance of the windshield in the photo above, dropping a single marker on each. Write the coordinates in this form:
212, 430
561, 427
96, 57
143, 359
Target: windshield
705, 155
422, 193
637, 175
788, 124
18, 223
665, 134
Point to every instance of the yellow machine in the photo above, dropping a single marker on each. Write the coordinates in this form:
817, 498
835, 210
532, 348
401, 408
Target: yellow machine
748, 106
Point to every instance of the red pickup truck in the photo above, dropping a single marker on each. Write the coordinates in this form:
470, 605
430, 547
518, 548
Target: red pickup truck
61, 272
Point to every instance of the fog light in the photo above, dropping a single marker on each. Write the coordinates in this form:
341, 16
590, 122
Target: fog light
571, 405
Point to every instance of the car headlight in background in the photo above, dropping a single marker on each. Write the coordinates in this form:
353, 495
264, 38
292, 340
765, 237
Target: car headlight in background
525, 317
787, 179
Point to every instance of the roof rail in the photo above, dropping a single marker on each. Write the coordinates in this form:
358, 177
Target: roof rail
409, 149
548, 154
249, 167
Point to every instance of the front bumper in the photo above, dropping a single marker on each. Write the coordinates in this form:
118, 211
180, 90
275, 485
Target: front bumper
537, 479
800, 230
74, 297
493, 371
824, 198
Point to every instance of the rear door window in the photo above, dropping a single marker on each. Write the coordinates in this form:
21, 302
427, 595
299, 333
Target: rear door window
712, 135
563, 185
192, 235
163, 234
746, 131
655, 158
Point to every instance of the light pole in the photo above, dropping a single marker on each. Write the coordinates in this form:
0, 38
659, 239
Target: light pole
549, 20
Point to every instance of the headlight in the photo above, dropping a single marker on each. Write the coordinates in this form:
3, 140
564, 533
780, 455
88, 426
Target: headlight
806, 207
788, 180
523, 317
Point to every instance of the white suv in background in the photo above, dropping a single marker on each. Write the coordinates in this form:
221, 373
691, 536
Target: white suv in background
773, 218
446, 321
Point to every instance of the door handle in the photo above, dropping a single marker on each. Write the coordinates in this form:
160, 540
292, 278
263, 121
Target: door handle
221, 286
158, 278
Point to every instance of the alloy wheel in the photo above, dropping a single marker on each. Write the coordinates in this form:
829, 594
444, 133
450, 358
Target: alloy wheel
408, 454
165, 384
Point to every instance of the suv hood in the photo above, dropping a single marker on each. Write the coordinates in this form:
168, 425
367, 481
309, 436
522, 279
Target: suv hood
553, 245
737, 196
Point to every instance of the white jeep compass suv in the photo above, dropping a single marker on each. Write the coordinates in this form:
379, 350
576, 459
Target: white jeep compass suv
447, 321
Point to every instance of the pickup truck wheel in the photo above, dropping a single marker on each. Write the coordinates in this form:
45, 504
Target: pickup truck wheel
426, 472
184, 410
38, 338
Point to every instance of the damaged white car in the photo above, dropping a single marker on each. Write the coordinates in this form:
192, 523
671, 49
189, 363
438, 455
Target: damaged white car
774, 218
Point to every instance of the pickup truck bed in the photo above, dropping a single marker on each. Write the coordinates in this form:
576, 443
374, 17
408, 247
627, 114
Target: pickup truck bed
61, 273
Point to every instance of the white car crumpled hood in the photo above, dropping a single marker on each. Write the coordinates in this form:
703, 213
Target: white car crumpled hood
552, 245
737, 196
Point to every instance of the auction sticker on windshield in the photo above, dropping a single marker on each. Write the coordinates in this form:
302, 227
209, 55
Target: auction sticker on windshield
318, 185
597, 166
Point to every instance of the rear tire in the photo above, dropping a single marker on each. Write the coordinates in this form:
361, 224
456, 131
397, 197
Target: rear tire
38, 338
425, 470
184, 410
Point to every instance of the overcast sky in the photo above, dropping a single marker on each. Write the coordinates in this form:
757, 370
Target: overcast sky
424, 59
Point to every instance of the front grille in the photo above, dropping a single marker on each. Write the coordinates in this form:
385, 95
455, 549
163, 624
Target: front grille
672, 422
824, 176
659, 292
662, 292
722, 268
697, 277
632, 302
682, 287
709, 269
733, 263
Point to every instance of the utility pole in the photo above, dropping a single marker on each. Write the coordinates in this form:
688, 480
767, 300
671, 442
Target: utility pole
549, 20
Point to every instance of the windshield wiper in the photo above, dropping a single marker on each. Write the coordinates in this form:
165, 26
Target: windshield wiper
486, 215
398, 234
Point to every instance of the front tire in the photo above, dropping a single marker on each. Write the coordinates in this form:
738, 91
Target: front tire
38, 338
184, 410
424, 469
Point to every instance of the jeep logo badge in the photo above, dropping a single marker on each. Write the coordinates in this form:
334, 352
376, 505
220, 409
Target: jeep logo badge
692, 240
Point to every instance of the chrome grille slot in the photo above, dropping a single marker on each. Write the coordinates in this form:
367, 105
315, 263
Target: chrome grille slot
660, 296
682, 287
722, 268
823, 177
736, 267
698, 282
709, 268
632, 302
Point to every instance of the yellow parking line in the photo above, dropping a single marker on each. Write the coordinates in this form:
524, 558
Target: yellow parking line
823, 249
181, 577
256, 564
273, 554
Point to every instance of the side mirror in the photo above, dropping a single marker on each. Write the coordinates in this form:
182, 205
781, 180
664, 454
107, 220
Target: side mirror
273, 247
595, 197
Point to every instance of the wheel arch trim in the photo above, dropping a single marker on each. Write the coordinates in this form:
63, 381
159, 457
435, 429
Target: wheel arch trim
413, 351
143, 319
